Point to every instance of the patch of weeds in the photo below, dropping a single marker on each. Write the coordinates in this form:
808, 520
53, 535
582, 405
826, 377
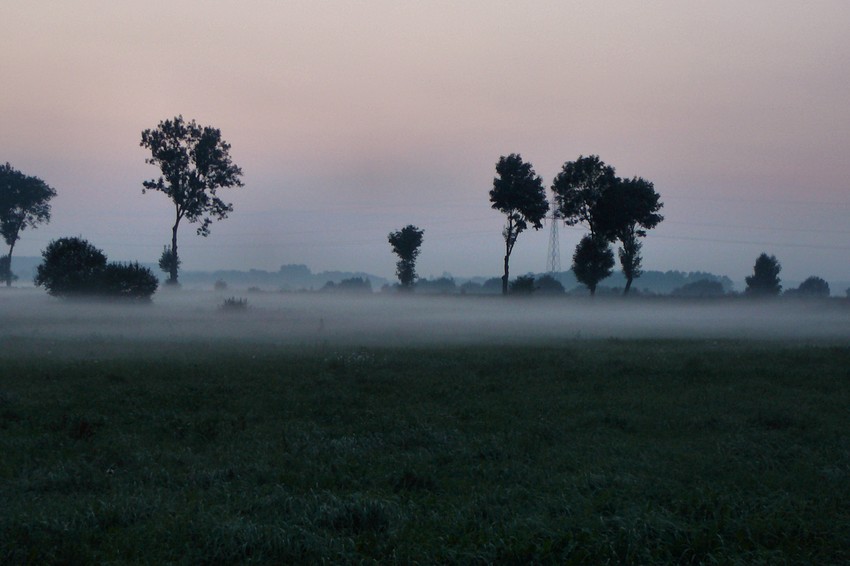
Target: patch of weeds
234, 304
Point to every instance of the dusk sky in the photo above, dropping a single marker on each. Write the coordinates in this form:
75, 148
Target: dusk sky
353, 119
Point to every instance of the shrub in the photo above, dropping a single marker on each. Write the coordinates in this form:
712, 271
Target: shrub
548, 285
220, 285
522, 285
352, 285
813, 287
72, 267
701, 288
234, 304
128, 281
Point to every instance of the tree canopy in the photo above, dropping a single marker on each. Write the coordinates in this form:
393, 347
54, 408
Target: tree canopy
517, 193
579, 187
195, 163
405, 244
593, 261
765, 278
24, 203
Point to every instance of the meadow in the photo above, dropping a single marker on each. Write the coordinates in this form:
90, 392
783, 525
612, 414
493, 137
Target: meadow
219, 446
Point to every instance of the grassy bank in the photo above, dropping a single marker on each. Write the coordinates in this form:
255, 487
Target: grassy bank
595, 451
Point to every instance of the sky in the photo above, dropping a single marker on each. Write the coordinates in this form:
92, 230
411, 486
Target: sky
354, 119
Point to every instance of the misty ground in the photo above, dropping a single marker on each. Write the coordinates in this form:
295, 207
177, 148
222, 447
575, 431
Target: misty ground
315, 428
307, 319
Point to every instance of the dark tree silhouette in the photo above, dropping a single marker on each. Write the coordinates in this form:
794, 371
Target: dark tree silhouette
548, 285
72, 267
195, 162
24, 203
813, 287
700, 289
523, 285
69, 267
518, 193
405, 244
624, 211
579, 187
593, 261
168, 261
765, 278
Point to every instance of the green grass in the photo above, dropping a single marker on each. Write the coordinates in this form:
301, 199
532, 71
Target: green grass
593, 452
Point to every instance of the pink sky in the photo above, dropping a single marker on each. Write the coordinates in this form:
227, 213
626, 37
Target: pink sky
352, 119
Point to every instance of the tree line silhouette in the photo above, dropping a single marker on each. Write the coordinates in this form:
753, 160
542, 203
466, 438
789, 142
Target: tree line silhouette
194, 163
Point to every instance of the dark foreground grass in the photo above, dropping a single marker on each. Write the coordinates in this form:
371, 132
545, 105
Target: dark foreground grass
593, 452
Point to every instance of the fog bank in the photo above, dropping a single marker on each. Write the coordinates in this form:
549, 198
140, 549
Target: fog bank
308, 319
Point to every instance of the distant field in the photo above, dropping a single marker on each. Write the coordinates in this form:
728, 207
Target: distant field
116, 448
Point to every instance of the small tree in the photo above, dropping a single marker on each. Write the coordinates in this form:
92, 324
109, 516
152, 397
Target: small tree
24, 203
813, 287
195, 163
169, 263
406, 243
518, 193
70, 267
592, 262
765, 278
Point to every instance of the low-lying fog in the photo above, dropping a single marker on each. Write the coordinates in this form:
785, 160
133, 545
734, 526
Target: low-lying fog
392, 320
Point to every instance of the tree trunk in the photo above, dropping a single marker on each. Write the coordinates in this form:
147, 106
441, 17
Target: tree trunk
172, 276
592, 290
628, 285
505, 276
9, 272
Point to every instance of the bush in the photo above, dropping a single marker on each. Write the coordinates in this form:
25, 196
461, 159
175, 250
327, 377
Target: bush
234, 304
701, 288
522, 285
72, 267
548, 285
813, 287
128, 281
220, 285
352, 285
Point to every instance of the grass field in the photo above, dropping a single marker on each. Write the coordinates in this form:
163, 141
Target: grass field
577, 452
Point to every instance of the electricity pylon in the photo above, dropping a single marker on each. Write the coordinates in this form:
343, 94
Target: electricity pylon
553, 259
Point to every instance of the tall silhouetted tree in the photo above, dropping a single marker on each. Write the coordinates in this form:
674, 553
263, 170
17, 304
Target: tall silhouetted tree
519, 194
405, 244
579, 187
593, 261
24, 202
765, 278
626, 209
195, 162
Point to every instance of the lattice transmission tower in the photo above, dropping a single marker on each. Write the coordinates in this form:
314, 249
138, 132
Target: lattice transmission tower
553, 258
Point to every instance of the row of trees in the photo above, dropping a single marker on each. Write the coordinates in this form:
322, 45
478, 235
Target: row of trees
588, 192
